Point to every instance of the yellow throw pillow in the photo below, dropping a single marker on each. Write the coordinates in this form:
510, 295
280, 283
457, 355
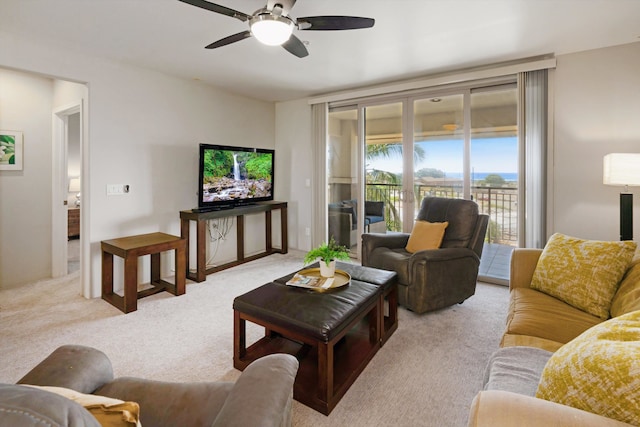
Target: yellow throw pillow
599, 371
426, 235
109, 412
627, 299
582, 273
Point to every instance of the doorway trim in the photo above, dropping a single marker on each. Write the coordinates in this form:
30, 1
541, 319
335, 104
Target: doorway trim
59, 232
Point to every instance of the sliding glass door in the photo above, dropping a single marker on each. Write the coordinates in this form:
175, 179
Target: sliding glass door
390, 155
413, 148
343, 177
439, 143
494, 160
385, 164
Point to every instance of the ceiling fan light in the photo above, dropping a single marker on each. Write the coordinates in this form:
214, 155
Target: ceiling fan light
271, 30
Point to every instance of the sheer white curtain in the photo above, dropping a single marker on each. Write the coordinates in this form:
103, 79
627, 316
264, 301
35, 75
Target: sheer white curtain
532, 128
319, 132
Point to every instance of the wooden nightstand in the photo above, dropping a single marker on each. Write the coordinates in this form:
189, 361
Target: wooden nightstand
73, 223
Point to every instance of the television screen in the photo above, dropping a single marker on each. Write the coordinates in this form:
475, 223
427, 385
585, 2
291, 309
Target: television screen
229, 176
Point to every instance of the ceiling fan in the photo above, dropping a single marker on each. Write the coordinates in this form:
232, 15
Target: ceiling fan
273, 26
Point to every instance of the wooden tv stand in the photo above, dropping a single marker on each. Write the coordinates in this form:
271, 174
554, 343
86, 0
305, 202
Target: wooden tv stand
201, 219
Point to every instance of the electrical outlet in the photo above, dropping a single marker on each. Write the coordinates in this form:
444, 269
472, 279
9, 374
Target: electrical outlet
307, 231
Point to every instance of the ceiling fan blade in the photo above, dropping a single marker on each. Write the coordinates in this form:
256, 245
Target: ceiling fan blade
296, 47
327, 23
219, 9
230, 39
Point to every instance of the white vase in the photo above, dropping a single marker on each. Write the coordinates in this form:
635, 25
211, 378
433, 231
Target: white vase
327, 270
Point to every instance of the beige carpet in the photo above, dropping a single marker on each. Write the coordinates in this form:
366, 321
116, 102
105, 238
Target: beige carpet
426, 375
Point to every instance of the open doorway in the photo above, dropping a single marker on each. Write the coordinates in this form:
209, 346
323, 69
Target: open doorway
67, 181
34, 240
73, 196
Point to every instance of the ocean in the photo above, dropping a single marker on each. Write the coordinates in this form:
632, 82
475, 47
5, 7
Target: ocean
479, 176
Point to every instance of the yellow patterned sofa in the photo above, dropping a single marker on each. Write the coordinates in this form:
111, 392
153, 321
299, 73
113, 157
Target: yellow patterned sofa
538, 327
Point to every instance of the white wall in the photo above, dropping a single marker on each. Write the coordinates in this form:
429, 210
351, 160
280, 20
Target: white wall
66, 94
25, 196
597, 111
144, 130
294, 168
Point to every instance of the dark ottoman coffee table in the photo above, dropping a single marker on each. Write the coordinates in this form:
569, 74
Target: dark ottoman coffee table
334, 334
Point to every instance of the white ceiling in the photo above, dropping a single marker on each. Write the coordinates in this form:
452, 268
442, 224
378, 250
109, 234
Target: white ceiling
411, 38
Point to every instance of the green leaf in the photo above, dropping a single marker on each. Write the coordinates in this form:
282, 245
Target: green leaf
327, 252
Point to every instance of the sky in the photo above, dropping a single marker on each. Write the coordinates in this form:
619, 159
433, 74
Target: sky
487, 155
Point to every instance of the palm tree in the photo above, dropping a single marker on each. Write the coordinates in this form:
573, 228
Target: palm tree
386, 181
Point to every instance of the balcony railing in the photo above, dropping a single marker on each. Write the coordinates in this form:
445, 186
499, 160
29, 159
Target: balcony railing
500, 203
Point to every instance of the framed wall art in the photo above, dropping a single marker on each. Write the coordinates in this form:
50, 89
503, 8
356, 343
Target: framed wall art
10, 150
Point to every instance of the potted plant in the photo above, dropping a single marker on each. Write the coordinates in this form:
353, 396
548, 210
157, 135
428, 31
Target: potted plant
328, 254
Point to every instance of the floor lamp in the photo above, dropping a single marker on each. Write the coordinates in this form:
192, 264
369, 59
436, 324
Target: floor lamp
623, 169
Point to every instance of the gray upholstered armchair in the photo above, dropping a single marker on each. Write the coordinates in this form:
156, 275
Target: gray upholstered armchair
434, 278
262, 395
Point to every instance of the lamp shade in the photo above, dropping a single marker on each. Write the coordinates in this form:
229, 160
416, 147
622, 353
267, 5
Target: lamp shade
74, 185
621, 169
271, 30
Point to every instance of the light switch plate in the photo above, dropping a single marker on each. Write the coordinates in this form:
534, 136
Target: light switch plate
117, 189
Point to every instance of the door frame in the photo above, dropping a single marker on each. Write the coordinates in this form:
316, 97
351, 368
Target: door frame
59, 231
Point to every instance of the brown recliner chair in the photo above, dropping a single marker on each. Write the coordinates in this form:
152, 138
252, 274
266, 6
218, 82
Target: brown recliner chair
435, 278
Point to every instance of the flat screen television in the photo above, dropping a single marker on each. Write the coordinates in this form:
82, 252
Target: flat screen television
232, 176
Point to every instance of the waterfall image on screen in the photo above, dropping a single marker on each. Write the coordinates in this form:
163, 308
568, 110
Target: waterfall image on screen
236, 175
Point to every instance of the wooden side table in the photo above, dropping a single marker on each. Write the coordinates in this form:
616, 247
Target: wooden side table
132, 247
